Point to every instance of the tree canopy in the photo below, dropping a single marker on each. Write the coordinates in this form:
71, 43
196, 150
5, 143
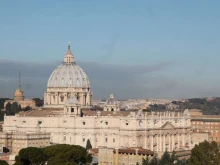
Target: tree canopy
38, 102
67, 154
205, 154
60, 154
30, 155
2, 162
88, 144
166, 159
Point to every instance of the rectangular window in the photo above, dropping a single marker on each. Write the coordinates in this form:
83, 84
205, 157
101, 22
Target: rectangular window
106, 123
83, 139
106, 139
84, 123
114, 140
72, 109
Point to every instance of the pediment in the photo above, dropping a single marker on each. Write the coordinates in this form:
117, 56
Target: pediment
168, 125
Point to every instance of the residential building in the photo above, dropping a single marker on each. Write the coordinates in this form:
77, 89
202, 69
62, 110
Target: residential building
206, 124
15, 141
123, 156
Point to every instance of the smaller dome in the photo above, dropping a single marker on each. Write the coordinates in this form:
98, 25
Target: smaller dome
19, 92
72, 100
111, 100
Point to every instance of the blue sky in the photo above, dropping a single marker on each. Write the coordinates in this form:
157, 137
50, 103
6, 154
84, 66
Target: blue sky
184, 33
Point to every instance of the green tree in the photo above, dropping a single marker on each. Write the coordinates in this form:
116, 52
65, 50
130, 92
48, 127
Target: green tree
27, 108
67, 154
166, 159
2, 114
88, 145
2, 102
154, 160
14, 108
173, 157
145, 161
2, 162
30, 156
205, 154
8, 106
19, 107
181, 162
38, 102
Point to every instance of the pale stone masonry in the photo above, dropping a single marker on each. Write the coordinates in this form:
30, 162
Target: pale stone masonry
15, 141
155, 131
65, 118
67, 79
117, 156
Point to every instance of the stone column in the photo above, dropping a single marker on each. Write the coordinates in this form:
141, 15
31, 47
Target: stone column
152, 142
57, 98
65, 97
169, 143
173, 142
49, 99
161, 143
81, 99
136, 154
116, 156
178, 136
157, 143
183, 140
84, 97
189, 140
164, 143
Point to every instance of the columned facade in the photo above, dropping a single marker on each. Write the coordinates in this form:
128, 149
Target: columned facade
155, 131
66, 79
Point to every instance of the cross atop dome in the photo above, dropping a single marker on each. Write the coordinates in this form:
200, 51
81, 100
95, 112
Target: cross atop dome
69, 58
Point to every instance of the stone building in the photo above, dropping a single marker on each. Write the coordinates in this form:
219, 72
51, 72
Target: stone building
118, 156
66, 79
155, 131
15, 141
20, 99
209, 124
64, 115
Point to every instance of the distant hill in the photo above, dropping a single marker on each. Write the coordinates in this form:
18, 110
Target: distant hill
209, 106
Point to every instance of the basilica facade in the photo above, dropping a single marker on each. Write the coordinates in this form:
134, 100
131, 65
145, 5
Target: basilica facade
68, 118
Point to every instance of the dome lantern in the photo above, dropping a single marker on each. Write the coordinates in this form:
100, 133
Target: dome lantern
69, 58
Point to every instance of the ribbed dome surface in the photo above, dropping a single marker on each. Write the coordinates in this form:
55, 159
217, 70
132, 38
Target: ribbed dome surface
68, 75
111, 100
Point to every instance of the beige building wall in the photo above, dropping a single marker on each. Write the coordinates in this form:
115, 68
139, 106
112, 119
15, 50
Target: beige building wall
22, 103
15, 141
154, 131
199, 137
130, 156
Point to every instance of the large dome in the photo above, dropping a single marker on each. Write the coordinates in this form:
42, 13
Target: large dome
66, 80
68, 74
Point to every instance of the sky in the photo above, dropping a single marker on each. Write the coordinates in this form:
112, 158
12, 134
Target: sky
133, 49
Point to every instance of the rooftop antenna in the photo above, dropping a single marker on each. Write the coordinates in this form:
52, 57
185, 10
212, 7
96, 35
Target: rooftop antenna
7, 82
19, 79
